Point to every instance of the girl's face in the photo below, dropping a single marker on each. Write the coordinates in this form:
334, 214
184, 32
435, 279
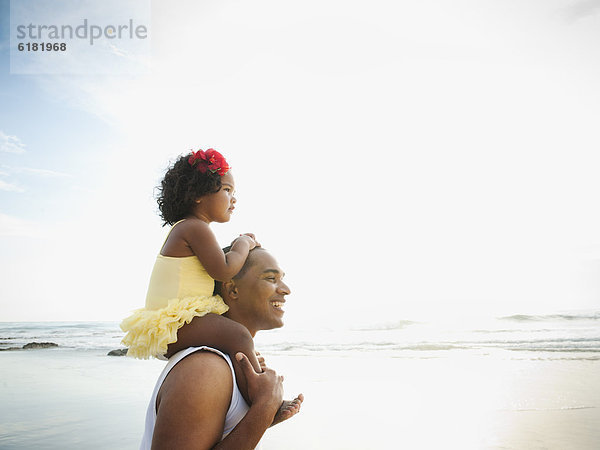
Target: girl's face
217, 207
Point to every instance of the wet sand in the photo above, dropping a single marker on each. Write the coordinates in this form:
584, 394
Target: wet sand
62, 399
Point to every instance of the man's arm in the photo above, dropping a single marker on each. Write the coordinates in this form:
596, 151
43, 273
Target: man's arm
192, 403
266, 392
194, 399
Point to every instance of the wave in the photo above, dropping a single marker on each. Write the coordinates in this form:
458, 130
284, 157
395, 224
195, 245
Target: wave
68, 335
579, 340
329, 344
551, 317
555, 349
401, 338
396, 325
549, 344
429, 347
562, 408
516, 330
361, 347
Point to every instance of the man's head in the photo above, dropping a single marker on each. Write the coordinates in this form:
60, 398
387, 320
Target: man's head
256, 295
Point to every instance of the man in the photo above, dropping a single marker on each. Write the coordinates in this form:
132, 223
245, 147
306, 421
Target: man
196, 403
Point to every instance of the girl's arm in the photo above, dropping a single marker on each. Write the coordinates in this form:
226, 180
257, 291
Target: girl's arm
223, 334
203, 243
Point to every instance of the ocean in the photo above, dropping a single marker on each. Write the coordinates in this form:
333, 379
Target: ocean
513, 382
554, 335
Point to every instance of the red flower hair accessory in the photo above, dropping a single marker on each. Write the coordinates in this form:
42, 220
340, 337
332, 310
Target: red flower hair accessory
209, 160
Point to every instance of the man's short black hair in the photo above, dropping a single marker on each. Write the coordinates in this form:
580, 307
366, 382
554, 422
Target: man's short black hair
247, 265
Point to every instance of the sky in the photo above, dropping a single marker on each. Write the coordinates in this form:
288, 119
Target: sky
401, 160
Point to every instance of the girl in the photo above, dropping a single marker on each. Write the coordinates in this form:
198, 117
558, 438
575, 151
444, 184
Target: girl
181, 310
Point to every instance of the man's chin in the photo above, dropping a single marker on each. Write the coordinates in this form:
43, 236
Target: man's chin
273, 325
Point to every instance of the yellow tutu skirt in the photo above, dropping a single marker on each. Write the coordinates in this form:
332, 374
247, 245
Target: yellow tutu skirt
149, 332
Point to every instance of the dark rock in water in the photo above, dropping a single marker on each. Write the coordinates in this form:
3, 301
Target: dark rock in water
118, 352
39, 345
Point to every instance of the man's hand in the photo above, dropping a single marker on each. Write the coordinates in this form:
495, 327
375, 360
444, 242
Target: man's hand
261, 360
264, 389
288, 408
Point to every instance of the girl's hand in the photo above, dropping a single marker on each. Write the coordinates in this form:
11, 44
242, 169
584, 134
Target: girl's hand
253, 238
248, 237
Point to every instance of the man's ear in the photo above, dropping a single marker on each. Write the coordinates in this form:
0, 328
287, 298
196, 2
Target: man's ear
230, 289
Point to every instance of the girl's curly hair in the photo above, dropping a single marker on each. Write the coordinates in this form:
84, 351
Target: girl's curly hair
180, 187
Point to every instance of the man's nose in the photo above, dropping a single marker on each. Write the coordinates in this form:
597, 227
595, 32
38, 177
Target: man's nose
283, 288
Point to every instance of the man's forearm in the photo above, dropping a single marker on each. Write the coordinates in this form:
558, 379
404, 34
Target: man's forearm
248, 432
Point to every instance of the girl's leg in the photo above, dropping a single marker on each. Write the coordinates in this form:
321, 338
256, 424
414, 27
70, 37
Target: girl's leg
223, 334
288, 409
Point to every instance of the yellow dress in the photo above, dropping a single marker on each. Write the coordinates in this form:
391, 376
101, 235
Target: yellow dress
180, 289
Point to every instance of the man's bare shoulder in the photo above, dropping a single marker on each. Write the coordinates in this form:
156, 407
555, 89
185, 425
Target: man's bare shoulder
192, 402
196, 368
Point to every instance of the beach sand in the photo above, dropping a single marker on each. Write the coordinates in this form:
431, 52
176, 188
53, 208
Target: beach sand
460, 402
56, 398
63, 399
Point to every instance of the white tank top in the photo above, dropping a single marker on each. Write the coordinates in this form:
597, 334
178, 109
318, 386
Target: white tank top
237, 407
